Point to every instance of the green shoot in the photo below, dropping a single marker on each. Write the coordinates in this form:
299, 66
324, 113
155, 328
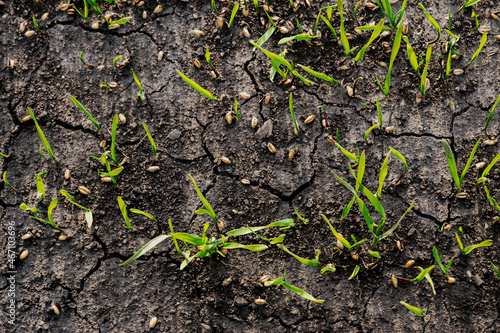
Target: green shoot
497, 272
296, 37
318, 74
302, 260
85, 14
474, 57
423, 79
422, 274
83, 61
275, 67
266, 36
490, 116
433, 22
141, 92
438, 260
452, 165
213, 6
339, 237
137, 211
285, 224
343, 35
113, 139
208, 209
400, 157
121, 21
197, 87
112, 173
299, 27
376, 32
42, 136
115, 60
356, 12
123, 209
482, 179
36, 25
233, 14
412, 56
88, 212
382, 175
329, 25
467, 3
468, 249
41, 153
415, 310
393, 19
39, 186
24, 206
300, 292
256, 4
328, 268
290, 103
236, 109
50, 222
6, 182
4, 156
153, 145
394, 53
368, 131
375, 254
305, 221
475, 16
448, 67
85, 111
354, 272
317, 21
94, 5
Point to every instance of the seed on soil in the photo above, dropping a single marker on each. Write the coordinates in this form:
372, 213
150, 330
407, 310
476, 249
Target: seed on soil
102, 144
122, 118
244, 95
22, 26
291, 154
309, 119
494, 16
480, 165
371, 5
386, 45
24, 254
340, 245
67, 174
405, 29
245, 181
350, 91
113, 26
144, 15
427, 318
255, 121
197, 63
246, 11
447, 227
153, 168
95, 26
271, 148
113, 84
229, 117
152, 322
382, 64
29, 33
71, 11
394, 281
63, 237
283, 30
455, 56
106, 179
44, 17
483, 30
160, 55
220, 22
198, 33
451, 279
355, 256
400, 245
390, 129
385, 33
64, 6
246, 32
27, 236
227, 282
55, 308
419, 98
288, 81
458, 71
409, 263
139, 3
264, 278
343, 67
83, 190
158, 9
490, 142
225, 160
26, 119
260, 301
497, 37
223, 251
462, 195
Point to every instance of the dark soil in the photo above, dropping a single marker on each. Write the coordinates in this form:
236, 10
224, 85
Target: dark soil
82, 275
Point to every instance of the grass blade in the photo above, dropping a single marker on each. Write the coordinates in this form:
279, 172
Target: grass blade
354, 272
233, 14
116, 59
74, 100
428, 54
149, 246
137, 211
153, 145
42, 136
485, 243
414, 309
484, 38
302, 293
266, 36
141, 92
394, 53
464, 172
39, 186
302, 260
6, 182
329, 25
422, 274
290, 103
383, 175
296, 37
285, 224
197, 87
52, 206
123, 209
253, 247
433, 22
236, 109
491, 115
376, 32
411, 55
341, 239
495, 269
113, 139
343, 36
204, 201
451, 163
278, 59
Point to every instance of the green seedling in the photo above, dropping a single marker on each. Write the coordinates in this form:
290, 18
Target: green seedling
153, 145
197, 87
490, 116
233, 13
429, 279
141, 91
274, 240
266, 36
433, 22
308, 262
474, 57
453, 167
354, 272
341, 239
305, 221
343, 35
295, 125
94, 5
256, 4
213, 6
284, 224
112, 173
83, 61
329, 25
379, 124
299, 27
451, 42
438, 260
120, 21
376, 32
375, 254
75, 101
423, 79
347, 154
85, 14
114, 126
468, 249
105, 86
115, 61
297, 37
475, 16
383, 170
236, 109
468, 3
39, 186
414, 309
328, 268
412, 56
137, 211
207, 57
123, 209
4, 156
394, 53
486, 171
42, 136
6, 182
104, 160
497, 272
24, 206
41, 153
88, 213
50, 222
208, 209
318, 74
36, 26
356, 12
272, 71
387, 9
300, 292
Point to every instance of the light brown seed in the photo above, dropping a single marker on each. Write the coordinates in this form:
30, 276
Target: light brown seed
349, 91
44, 17
244, 95
494, 16
451, 279
490, 142
400, 245
55, 308
355, 256
24, 254
26, 119
197, 63
27, 236
254, 122
102, 144
64, 6
371, 5
288, 81
67, 174
246, 32
447, 227
106, 179
229, 117
267, 98
405, 29
225, 160
385, 45
268, 9
455, 56
223, 251
245, 181
382, 64
291, 154
394, 281
462, 195
107, 17
95, 26
497, 37
385, 33
113, 84
419, 98
63, 237
295, 131
283, 30
323, 122
340, 245
458, 71
220, 22
246, 11
343, 67
83, 190
71, 11
271, 148
296, 6
264, 278
152, 322
139, 3
409, 263
390, 129
160, 55
198, 33
483, 30
144, 15
392, 2
122, 118
113, 26
22, 26
158, 9
309, 119
260, 301
153, 168
480, 165
29, 33
227, 282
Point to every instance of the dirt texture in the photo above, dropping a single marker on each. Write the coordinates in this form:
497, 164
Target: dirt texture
83, 276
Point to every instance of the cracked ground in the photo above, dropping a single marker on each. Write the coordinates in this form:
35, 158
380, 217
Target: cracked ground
82, 275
